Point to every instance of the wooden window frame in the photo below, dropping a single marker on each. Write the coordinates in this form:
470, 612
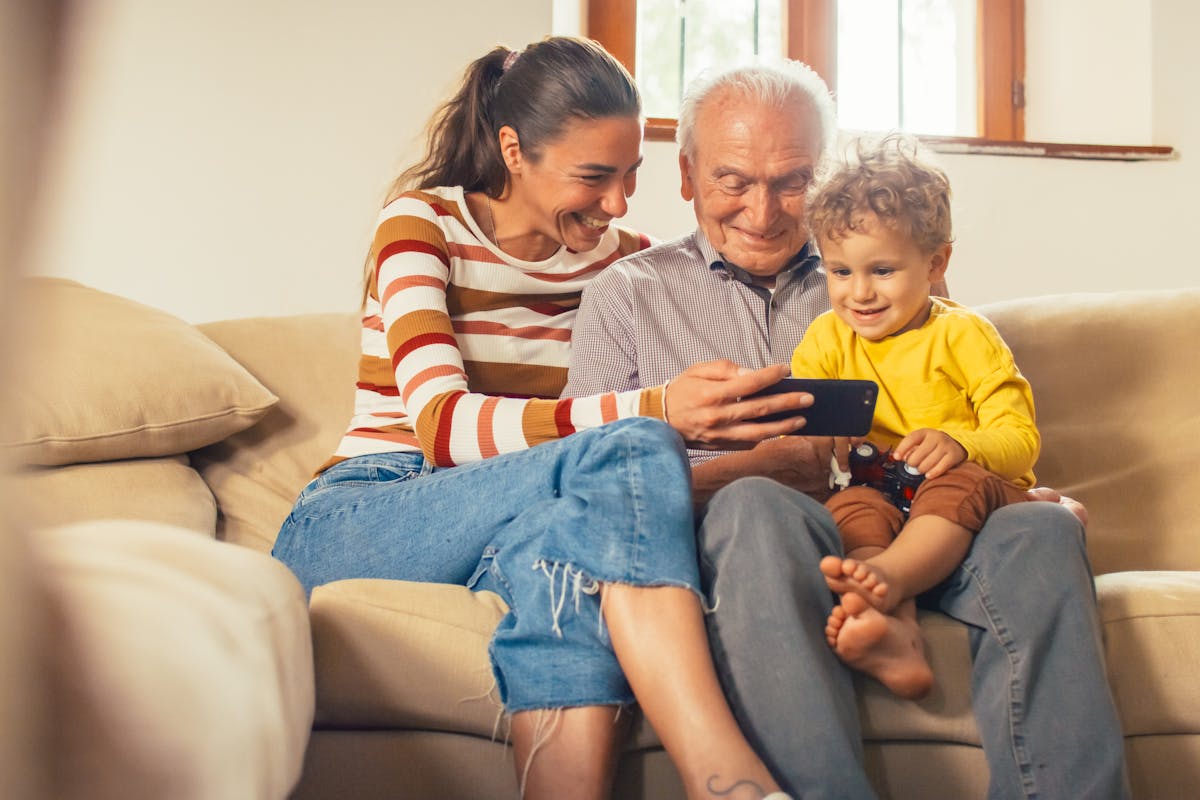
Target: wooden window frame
811, 37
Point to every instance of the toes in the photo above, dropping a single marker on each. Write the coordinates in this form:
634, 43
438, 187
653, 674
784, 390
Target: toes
832, 566
854, 605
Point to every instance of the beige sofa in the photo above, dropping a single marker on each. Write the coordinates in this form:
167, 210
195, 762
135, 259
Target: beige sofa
403, 704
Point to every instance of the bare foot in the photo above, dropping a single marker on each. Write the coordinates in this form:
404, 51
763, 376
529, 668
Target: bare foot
888, 648
851, 576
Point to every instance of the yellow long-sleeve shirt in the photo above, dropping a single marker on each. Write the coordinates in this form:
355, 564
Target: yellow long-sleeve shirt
954, 374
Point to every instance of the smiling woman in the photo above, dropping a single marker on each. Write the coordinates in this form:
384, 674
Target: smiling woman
565, 192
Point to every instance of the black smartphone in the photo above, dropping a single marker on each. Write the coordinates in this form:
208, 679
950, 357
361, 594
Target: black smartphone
840, 408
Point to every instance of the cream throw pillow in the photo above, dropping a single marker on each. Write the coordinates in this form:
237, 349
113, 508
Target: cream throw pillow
104, 378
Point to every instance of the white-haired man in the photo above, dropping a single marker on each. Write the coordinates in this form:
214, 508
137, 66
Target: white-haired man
743, 287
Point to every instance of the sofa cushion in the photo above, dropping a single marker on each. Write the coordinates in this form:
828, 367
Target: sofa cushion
198, 679
1152, 642
309, 361
163, 490
108, 378
1116, 405
399, 654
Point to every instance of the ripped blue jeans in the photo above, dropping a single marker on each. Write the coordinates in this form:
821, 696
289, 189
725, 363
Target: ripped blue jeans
542, 528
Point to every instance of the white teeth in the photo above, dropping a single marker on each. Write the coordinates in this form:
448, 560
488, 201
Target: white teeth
592, 222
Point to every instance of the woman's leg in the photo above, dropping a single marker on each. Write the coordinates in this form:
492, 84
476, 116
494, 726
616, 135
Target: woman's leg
660, 640
576, 751
545, 529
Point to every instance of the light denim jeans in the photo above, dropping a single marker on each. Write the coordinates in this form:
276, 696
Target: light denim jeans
1041, 699
541, 528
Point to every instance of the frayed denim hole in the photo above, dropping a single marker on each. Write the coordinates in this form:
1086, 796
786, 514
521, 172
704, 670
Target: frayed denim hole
564, 579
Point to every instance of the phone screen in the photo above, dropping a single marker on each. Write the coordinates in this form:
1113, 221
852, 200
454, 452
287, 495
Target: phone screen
840, 407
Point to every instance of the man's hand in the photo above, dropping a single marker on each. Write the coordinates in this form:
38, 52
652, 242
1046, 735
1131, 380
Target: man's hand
930, 452
709, 403
1053, 496
801, 462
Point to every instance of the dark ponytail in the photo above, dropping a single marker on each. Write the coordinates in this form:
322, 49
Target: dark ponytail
537, 92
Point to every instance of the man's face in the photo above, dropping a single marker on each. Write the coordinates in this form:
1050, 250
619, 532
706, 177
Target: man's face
747, 182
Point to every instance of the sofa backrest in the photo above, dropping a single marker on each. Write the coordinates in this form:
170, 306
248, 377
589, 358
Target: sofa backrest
1114, 380
1117, 390
312, 361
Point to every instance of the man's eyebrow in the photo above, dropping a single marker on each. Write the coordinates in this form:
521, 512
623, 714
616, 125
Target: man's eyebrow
805, 172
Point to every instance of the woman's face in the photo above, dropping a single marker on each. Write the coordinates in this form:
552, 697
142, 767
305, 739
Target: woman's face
580, 182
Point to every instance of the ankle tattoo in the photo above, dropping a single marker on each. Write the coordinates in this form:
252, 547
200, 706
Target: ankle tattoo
756, 790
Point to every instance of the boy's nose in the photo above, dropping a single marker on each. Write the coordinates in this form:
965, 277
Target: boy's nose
861, 288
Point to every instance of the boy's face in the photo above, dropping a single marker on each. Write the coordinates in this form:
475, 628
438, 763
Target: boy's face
879, 280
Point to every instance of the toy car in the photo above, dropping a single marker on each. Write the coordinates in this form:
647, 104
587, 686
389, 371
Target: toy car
870, 466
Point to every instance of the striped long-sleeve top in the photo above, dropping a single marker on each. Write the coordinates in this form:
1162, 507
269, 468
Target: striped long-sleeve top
465, 348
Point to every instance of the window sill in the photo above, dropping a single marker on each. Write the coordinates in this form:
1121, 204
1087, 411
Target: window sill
660, 129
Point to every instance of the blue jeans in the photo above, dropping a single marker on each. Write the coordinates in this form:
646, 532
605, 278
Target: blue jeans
1039, 692
542, 528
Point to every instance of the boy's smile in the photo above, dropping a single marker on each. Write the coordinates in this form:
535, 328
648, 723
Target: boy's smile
879, 280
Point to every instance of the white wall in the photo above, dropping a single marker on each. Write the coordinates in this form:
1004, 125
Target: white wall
222, 158
1079, 56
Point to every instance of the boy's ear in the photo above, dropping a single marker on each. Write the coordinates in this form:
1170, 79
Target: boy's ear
939, 262
510, 148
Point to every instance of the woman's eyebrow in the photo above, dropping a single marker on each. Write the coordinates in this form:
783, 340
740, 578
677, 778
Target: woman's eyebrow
608, 168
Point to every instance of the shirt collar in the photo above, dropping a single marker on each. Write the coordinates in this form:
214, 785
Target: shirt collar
804, 262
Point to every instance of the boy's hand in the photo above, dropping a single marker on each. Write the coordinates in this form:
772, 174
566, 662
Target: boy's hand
930, 451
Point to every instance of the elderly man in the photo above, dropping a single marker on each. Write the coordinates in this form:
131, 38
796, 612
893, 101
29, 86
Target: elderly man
744, 287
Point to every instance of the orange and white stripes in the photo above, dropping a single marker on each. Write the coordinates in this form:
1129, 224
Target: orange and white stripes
465, 349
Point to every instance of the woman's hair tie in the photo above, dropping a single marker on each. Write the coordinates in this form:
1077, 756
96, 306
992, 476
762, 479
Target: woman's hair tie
510, 59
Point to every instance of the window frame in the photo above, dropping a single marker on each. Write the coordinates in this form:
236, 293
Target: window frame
811, 36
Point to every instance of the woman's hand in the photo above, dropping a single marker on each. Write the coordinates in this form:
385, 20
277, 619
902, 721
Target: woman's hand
709, 403
930, 452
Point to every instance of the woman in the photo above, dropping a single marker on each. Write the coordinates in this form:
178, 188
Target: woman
462, 466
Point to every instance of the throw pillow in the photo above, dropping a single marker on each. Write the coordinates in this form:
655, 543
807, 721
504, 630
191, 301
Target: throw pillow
103, 378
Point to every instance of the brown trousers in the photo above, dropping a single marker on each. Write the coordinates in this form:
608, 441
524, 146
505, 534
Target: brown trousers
965, 495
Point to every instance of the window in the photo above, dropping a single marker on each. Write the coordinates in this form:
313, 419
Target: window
908, 64
979, 42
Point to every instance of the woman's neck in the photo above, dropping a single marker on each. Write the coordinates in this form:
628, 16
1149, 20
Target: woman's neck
501, 220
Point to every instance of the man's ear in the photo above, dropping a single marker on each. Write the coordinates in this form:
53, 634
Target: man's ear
510, 148
686, 187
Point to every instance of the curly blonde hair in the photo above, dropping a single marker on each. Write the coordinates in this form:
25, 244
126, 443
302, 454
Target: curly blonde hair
888, 177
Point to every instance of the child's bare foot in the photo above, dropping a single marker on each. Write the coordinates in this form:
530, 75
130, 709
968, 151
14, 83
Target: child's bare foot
851, 576
888, 648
